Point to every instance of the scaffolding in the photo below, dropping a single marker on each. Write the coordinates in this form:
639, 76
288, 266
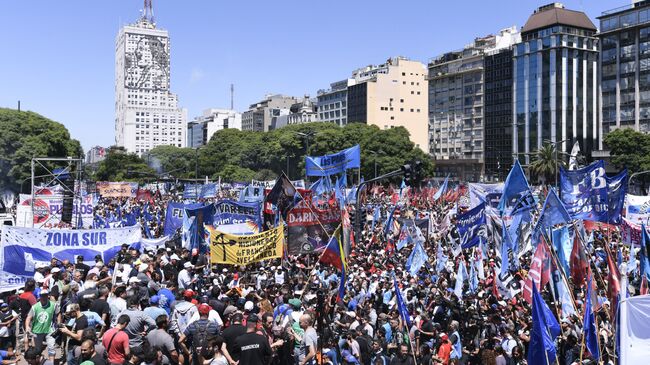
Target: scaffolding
57, 169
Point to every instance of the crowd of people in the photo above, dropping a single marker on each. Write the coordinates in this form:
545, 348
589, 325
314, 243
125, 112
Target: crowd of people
172, 306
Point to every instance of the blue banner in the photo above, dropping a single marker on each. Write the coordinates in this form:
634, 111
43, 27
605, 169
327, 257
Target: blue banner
196, 191
472, 227
174, 216
333, 164
586, 193
209, 190
232, 212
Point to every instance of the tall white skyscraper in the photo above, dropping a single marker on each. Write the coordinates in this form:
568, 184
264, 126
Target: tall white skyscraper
146, 112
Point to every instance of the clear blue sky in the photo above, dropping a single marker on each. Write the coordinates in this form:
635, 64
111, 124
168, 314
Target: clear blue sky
58, 56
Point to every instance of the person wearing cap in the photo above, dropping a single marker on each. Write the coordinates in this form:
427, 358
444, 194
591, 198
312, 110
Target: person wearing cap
183, 311
154, 310
251, 347
81, 267
444, 350
7, 319
198, 333
74, 334
40, 323
185, 279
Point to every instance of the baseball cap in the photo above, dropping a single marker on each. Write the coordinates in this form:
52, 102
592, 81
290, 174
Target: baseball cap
154, 299
204, 309
188, 265
294, 302
248, 306
188, 293
174, 257
55, 270
444, 336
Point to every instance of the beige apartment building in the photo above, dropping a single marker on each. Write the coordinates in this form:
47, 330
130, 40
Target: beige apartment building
390, 95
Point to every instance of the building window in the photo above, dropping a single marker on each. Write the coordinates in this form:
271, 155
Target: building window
400, 100
401, 109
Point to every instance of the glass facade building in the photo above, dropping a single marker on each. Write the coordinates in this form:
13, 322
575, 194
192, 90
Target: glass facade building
625, 68
555, 78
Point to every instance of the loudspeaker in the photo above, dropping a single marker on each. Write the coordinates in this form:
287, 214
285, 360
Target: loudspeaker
68, 201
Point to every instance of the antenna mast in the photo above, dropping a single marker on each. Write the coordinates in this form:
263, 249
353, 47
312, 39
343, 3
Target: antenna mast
232, 96
147, 12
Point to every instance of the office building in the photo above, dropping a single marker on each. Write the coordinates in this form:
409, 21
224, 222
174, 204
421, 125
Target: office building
456, 106
555, 76
261, 116
393, 94
95, 155
201, 129
625, 68
333, 103
146, 112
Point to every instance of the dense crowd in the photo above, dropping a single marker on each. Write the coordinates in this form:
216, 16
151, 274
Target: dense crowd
171, 306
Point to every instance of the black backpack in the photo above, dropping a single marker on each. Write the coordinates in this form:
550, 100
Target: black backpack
200, 338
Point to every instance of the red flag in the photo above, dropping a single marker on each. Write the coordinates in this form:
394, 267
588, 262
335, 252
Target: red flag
540, 271
613, 284
579, 263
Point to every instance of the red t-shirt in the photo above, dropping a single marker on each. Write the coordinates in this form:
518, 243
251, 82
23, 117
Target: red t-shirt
117, 350
444, 352
28, 296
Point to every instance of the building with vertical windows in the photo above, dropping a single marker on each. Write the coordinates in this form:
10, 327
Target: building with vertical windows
262, 115
555, 83
201, 129
332, 103
625, 68
393, 94
456, 106
146, 112
498, 113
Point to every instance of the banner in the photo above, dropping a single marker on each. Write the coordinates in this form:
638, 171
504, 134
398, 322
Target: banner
111, 189
630, 232
174, 216
309, 227
232, 212
423, 224
243, 250
472, 227
490, 194
48, 209
333, 164
637, 208
23, 249
252, 194
588, 193
203, 191
238, 228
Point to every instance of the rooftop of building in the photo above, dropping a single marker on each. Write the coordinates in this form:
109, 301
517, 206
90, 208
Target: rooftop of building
621, 9
555, 14
479, 46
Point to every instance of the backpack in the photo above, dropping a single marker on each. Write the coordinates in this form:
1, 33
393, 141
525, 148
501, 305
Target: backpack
200, 338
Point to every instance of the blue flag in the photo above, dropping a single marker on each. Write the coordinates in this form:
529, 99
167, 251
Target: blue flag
589, 327
541, 350
375, 217
472, 227
505, 247
645, 252
389, 222
401, 307
441, 259
202, 216
341, 293
442, 189
552, 213
563, 245
416, 259
516, 195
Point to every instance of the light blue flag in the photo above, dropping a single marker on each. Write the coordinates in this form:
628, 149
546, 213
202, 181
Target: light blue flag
516, 195
441, 259
416, 259
505, 247
442, 189
473, 278
631, 262
376, 216
461, 276
644, 253
389, 222
563, 245
340, 196
404, 238
563, 295
553, 212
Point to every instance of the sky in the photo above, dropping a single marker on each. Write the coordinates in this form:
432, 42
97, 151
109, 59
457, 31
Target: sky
58, 57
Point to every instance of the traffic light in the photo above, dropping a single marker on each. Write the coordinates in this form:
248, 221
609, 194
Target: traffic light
407, 171
418, 174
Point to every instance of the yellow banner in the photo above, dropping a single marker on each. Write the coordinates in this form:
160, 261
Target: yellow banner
245, 249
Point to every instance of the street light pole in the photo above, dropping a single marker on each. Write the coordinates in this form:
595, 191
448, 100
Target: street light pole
196, 164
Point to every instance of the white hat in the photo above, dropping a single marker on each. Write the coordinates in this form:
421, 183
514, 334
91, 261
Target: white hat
134, 279
99, 264
55, 270
248, 306
143, 267
225, 270
188, 265
174, 257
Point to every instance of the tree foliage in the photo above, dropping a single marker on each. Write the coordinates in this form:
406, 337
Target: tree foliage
122, 166
629, 149
26, 135
546, 164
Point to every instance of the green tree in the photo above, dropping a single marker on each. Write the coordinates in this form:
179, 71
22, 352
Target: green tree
172, 160
26, 135
122, 166
546, 164
629, 149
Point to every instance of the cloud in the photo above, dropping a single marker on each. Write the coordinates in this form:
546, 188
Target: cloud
197, 75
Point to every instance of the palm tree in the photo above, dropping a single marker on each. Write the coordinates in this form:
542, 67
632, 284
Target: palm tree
545, 163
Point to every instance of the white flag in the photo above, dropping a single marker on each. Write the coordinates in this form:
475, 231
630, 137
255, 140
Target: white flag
573, 159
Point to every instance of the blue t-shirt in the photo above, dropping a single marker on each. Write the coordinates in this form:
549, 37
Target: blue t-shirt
166, 299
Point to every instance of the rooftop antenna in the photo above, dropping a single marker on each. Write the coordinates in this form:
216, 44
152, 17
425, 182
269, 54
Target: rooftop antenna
147, 11
232, 96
